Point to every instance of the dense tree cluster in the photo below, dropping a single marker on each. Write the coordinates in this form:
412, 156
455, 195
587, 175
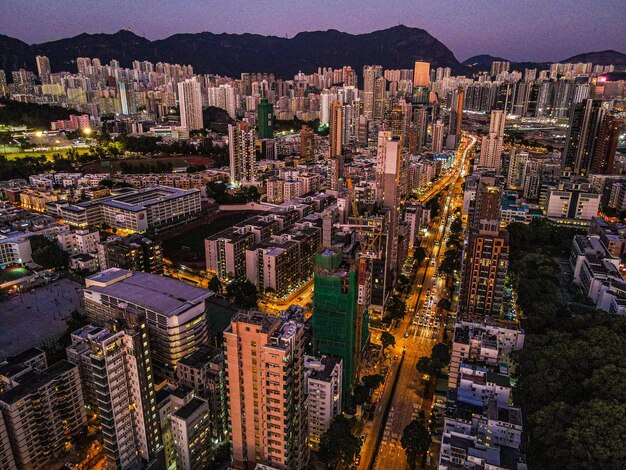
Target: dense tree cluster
32, 115
571, 376
46, 253
338, 446
242, 292
218, 190
415, 440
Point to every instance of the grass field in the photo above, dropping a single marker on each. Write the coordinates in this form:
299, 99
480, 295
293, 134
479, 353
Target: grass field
11, 274
48, 153
194, 238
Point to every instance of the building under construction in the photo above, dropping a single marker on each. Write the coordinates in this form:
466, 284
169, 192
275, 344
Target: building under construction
340, 324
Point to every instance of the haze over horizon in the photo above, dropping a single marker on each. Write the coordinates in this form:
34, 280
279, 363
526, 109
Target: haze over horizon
513, 30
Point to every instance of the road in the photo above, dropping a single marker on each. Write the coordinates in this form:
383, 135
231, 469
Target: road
414, 341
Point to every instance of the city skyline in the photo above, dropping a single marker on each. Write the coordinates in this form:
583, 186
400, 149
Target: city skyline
514, 32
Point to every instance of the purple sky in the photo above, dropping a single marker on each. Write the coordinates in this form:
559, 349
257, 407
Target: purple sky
514, 29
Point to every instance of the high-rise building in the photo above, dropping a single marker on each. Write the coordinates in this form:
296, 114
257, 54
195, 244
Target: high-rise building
438, 136
324, 394
265, 391
190, 432
265, 119
43, 68
175, 311
133, 252
307, 144
370, 74
203, 372
605, 146
484, 271
585, 121
123, 380
380, 97
497, 67
456, 118
487, 201
190, 101
492, 144
391, 177
339, 328
42, 411
421, 74
241, 141
336, 129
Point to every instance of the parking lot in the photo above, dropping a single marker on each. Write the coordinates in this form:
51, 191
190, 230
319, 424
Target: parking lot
29, 319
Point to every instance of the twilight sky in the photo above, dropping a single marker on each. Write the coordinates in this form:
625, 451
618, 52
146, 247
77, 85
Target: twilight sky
515, 29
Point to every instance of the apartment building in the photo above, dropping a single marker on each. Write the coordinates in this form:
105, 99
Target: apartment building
79, 242
175, 311
265, 391
15, 248
133, 252
190, 432
42, 412
121, 368
491, 342
324, 394
203, 372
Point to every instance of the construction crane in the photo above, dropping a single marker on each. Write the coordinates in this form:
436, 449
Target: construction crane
368, 235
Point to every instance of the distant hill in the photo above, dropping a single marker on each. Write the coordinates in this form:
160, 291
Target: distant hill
601, 58
483, 62
232, 54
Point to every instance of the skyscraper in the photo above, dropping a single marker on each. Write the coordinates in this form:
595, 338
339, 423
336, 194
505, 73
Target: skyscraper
43, 68
336, 129
380, 97
421, 74
456, 118
307, 144
492, 144
606, 145
438, 136
264, 356
265, 119
241, 141
390, 182
585, 122
484, 271
190, 101
370, 74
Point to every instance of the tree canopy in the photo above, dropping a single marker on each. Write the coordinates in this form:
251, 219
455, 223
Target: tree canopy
387, 339
571, 376
415, 441
338, 446
47, 254
242, 292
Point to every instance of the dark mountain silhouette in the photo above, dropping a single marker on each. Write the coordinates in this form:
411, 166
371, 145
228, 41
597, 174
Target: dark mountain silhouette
483, 62
231, 54
609, 57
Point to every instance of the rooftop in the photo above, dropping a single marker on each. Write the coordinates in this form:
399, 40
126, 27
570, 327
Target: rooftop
35, 381
160, 294
190, 408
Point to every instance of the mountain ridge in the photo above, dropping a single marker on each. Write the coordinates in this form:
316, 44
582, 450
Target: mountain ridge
483, 62
232, 54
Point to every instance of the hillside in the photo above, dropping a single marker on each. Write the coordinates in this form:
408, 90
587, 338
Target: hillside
232, 54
